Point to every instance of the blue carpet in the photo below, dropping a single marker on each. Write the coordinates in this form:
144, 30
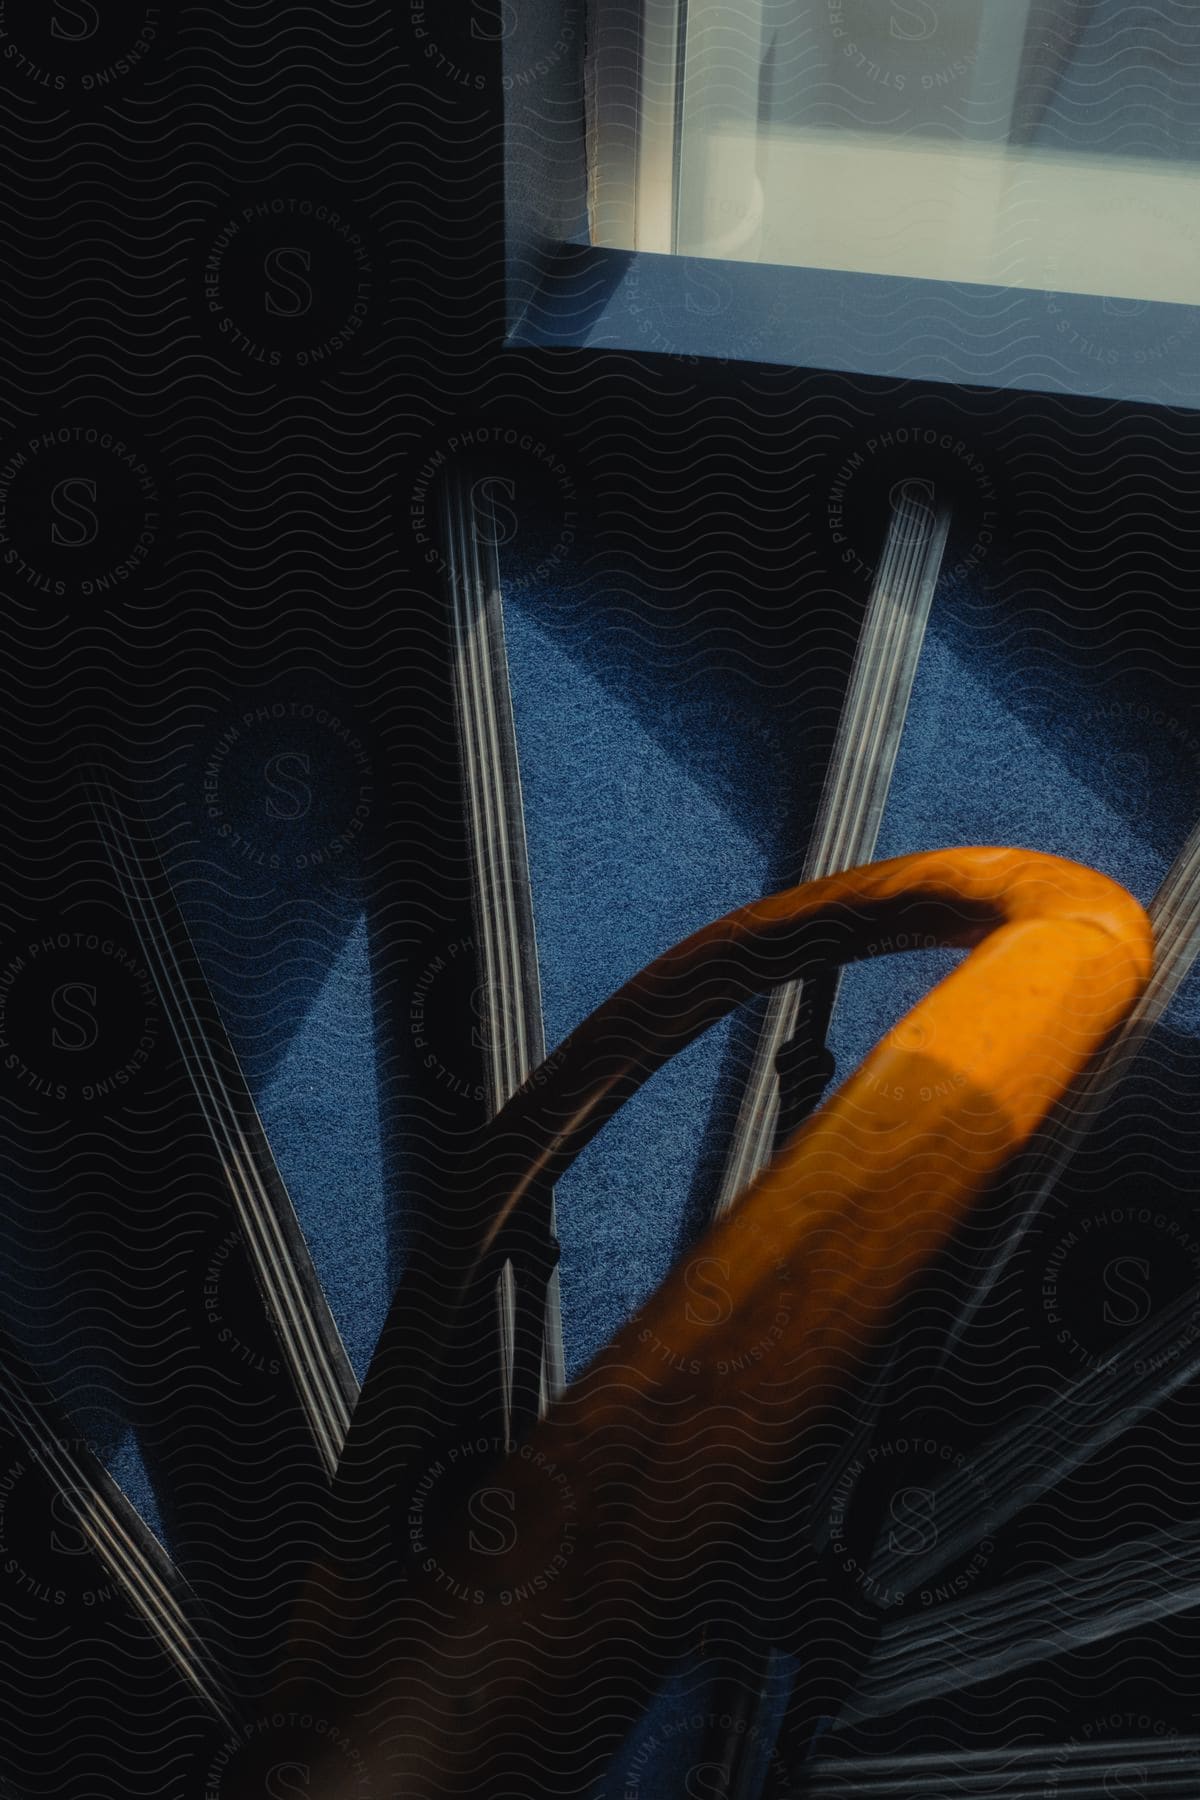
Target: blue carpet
628, 854
1003, 745
284, 943
650, 810
278, 921
660, 792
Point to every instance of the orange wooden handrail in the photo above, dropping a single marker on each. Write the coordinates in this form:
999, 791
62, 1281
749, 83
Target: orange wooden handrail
651, 1476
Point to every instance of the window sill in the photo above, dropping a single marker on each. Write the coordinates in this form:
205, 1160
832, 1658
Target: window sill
899, 327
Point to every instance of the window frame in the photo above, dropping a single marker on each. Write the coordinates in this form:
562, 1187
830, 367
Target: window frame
589, 94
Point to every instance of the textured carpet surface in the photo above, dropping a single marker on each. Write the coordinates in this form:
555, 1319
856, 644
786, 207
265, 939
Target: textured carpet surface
284, 943
652, 808
660, 791
657, 797
1005, 745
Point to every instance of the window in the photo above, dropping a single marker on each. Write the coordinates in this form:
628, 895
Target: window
1043, 148
1022, 143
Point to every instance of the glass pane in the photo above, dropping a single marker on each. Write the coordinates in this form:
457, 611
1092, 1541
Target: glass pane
1046, 144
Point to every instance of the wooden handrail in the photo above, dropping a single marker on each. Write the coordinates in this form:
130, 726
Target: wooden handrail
623, 1518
